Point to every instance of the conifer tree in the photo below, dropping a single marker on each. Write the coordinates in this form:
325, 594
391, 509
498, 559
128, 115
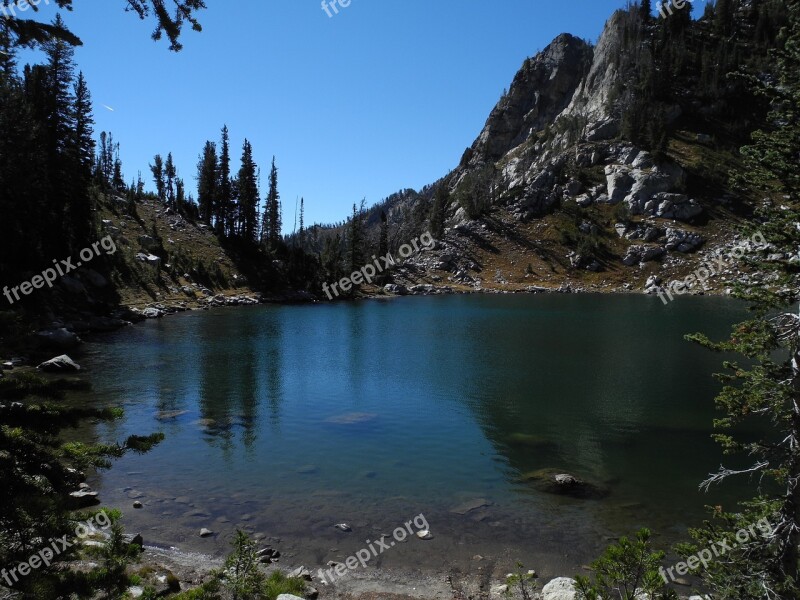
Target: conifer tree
248, 194
207, 179
224, 189
169, 181
157, 168
83, 139
81, 213
765, 387
441, 199
272, 221
646, 11
301, 235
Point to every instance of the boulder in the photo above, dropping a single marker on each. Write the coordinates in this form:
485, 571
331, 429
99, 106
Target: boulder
149, 259
83, 498
152, 313
561, 588
619, 182
683, 241
554, 481
648, 182
59, 364
604, 130
393, 288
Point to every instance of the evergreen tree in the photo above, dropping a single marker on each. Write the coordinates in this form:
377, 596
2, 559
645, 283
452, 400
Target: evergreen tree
356, 237
157, 168
180, 196
57, 113
723, 17
104, 168
224, 189
301, 235
272, 222
27, 32
83, 134
646, 11
81, 209
118, 181
441, 200
169, 180
383, 242
207, 179
248, 194
766, 386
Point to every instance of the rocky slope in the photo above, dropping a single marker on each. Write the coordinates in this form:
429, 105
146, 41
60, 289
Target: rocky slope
570, 203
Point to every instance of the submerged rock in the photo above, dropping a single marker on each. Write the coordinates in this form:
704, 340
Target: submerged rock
554, 481
468, 507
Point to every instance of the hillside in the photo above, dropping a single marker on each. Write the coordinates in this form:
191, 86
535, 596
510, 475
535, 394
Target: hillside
595, 172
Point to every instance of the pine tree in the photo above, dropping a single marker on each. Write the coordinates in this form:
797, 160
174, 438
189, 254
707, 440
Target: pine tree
118, 180
224, 190
272, 210
58, 120
157, 168
645, 11
723, 17
356, 237
301, 235
248, 194
441, 200
180, 196
383, 242
169, 180
83, 139
765, 388
28, 32
104, 169
207, 179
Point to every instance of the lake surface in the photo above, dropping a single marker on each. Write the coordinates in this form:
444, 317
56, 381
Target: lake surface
289, 419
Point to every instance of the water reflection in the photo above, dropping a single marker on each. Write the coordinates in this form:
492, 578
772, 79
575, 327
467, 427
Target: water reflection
425, 403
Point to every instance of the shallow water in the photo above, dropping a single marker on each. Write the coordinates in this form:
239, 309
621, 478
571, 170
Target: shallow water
288, 419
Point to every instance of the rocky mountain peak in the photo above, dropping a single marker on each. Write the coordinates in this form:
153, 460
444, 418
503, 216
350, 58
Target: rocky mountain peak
541, 90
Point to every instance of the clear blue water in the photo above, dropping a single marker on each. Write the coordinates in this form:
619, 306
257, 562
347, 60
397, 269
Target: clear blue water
299, 417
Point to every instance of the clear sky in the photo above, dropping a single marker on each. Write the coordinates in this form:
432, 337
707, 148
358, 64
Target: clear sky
385, 95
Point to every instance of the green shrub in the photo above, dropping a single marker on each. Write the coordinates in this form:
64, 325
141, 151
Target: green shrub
628, 570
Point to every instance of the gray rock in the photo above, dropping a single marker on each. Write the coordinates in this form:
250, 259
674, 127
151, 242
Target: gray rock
682, 241
561, 588
301, 573
59, 364
394, 288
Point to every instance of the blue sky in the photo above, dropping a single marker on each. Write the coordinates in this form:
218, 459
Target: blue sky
385, 95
